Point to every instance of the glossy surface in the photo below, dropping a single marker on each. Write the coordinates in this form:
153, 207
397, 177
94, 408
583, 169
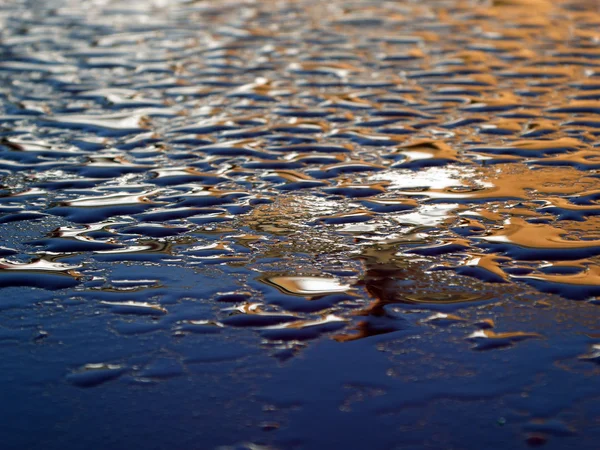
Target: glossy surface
300, 225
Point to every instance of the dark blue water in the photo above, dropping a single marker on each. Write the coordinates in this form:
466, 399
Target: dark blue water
299, 225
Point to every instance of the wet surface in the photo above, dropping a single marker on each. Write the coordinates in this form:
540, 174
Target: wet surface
300, 224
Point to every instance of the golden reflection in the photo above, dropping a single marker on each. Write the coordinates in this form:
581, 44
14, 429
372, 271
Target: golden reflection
306, 286
416, 142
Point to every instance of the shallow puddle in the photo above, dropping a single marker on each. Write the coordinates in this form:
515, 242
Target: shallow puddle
300, 224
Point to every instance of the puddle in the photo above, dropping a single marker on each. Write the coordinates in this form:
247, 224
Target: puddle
208, 203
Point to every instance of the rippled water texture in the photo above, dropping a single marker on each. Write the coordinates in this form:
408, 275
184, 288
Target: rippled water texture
300, 224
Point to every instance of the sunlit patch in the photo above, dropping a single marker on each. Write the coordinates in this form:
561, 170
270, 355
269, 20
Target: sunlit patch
429, 178
306, 286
